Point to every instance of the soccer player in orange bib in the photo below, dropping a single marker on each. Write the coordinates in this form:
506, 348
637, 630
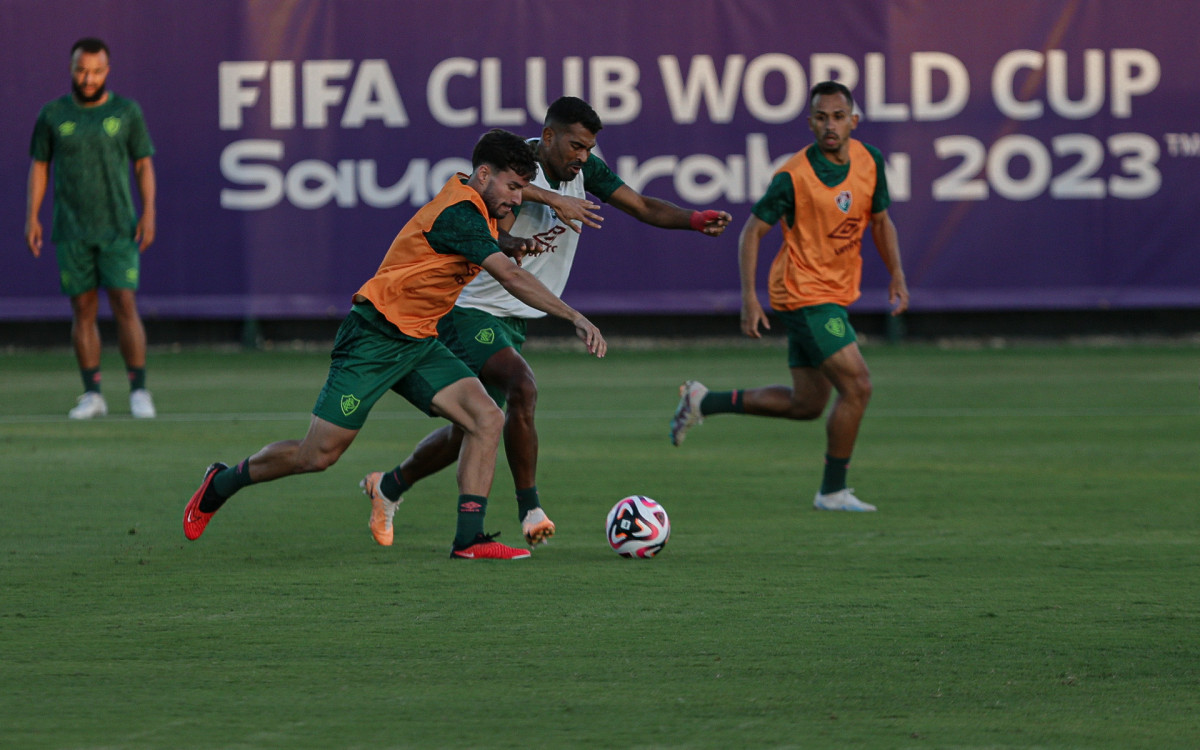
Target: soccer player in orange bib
824, 197
487, 327
389, 341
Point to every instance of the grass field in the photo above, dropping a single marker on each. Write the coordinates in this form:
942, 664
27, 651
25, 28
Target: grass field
1032, 578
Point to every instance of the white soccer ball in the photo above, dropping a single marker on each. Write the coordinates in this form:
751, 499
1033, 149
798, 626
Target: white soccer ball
637, 527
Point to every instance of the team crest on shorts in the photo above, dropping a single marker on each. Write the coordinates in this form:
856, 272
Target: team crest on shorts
836, 326
486, 336
112, 125
350, 404
843, 200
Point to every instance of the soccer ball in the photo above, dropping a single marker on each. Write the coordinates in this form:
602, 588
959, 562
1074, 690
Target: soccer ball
638, 527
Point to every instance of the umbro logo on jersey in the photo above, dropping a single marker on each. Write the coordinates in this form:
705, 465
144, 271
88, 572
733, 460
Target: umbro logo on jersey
547, 242
848, 229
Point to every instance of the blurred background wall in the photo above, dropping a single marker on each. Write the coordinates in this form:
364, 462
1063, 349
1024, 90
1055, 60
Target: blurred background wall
1043, 157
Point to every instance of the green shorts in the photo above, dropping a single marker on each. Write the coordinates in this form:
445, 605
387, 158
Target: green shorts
368, 360
474, 336
816, 333
84, 266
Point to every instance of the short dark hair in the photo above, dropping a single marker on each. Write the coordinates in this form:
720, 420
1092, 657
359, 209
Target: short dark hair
568, 110
829, 88
504, 150
90, 45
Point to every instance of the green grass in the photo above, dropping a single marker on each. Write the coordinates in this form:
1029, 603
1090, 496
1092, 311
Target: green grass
1031, 580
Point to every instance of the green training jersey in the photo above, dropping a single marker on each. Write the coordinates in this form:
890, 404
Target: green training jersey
90, 150
462, 230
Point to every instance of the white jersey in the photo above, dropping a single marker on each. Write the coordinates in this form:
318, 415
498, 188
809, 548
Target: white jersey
552, 267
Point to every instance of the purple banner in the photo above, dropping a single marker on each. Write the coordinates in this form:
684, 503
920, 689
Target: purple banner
1041, 155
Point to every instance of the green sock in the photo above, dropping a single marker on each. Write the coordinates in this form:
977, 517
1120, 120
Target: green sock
527, 500
471, 510
392, 485
91, 378
137, 378
835, 474
229, 480
722, 402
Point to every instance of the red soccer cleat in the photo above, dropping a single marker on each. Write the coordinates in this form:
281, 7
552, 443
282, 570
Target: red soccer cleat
194, 519
483, 548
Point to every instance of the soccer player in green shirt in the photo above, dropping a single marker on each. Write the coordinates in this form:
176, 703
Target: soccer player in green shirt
90, 136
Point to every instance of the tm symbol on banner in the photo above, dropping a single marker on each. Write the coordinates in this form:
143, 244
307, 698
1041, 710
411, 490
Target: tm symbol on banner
1183, 144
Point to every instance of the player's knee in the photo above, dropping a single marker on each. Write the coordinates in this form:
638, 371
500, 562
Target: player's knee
859, 388
488, 420
85, 306
122, 302
316, 463
318, 460
522, 394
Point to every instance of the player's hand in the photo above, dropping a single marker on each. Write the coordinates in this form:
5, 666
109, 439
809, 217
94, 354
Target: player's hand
898, 294
571, 209
753, 317
517, 247
33, 236
591, 336
144, 236
710, 222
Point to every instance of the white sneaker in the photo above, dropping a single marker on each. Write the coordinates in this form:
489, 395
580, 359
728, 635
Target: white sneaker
90, 404
687, 413
841, 500
141, 405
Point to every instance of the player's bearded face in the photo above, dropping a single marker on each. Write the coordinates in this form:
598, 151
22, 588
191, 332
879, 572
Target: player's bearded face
566, 151
502, 193
89, 71
831, 120
82, 94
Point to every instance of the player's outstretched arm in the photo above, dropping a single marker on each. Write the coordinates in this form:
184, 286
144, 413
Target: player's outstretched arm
660, 213
525, 287
573, 211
